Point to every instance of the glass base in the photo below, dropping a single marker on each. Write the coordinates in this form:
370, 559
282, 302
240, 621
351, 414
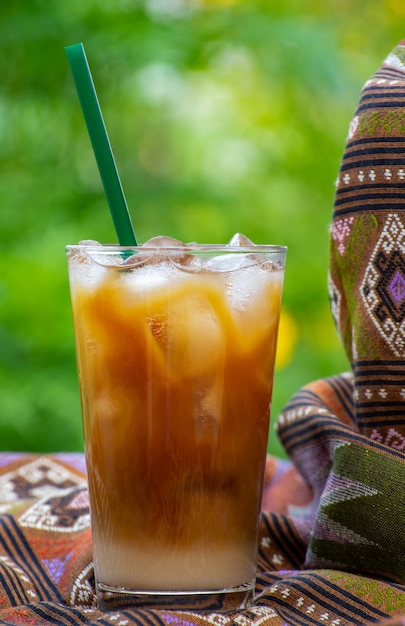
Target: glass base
114, 598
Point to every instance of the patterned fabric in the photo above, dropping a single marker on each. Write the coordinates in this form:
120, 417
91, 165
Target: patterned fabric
46, 571
346, 435
332, 531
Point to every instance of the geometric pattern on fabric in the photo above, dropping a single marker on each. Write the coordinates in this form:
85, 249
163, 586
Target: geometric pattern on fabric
379, 396
358, 483
340, 232
369, 279
383, 286
83, 588
349, 442
23, 577
66, 511
47, 577
368, 219
39, 477
329, 597
360, 524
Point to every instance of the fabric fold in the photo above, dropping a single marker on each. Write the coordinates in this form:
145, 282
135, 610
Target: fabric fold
346, 434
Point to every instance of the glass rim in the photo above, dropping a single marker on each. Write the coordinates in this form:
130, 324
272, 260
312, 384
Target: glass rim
188, 247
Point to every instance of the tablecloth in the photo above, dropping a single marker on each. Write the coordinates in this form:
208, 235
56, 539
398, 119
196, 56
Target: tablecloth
46, 570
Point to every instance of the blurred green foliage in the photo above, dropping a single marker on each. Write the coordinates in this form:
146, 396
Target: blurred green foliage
224, 116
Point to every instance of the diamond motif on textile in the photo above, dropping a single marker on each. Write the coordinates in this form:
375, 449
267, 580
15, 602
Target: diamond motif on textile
36, 479
397, 287
383, 286
65, 512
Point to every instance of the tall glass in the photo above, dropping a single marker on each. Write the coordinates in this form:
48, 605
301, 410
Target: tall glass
175, 350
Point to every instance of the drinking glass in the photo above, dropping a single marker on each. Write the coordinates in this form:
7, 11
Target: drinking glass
175, 351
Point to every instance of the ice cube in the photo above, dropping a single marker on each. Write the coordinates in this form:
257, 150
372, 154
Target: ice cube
254, 294
171, 248
230, 262
82, 268
194, 339
89, 242
246, 286
148, 277
240, 240
161, 241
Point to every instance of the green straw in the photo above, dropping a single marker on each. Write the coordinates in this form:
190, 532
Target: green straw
101, 144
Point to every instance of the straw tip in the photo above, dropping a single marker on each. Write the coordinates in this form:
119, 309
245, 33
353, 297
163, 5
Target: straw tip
75, 50
75, 45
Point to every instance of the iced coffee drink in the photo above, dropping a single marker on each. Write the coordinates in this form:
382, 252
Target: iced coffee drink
175, 348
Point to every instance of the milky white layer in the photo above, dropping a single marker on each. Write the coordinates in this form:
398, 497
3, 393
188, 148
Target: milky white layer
174, 569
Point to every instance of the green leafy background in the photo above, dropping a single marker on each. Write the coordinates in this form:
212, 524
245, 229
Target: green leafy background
224, 116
